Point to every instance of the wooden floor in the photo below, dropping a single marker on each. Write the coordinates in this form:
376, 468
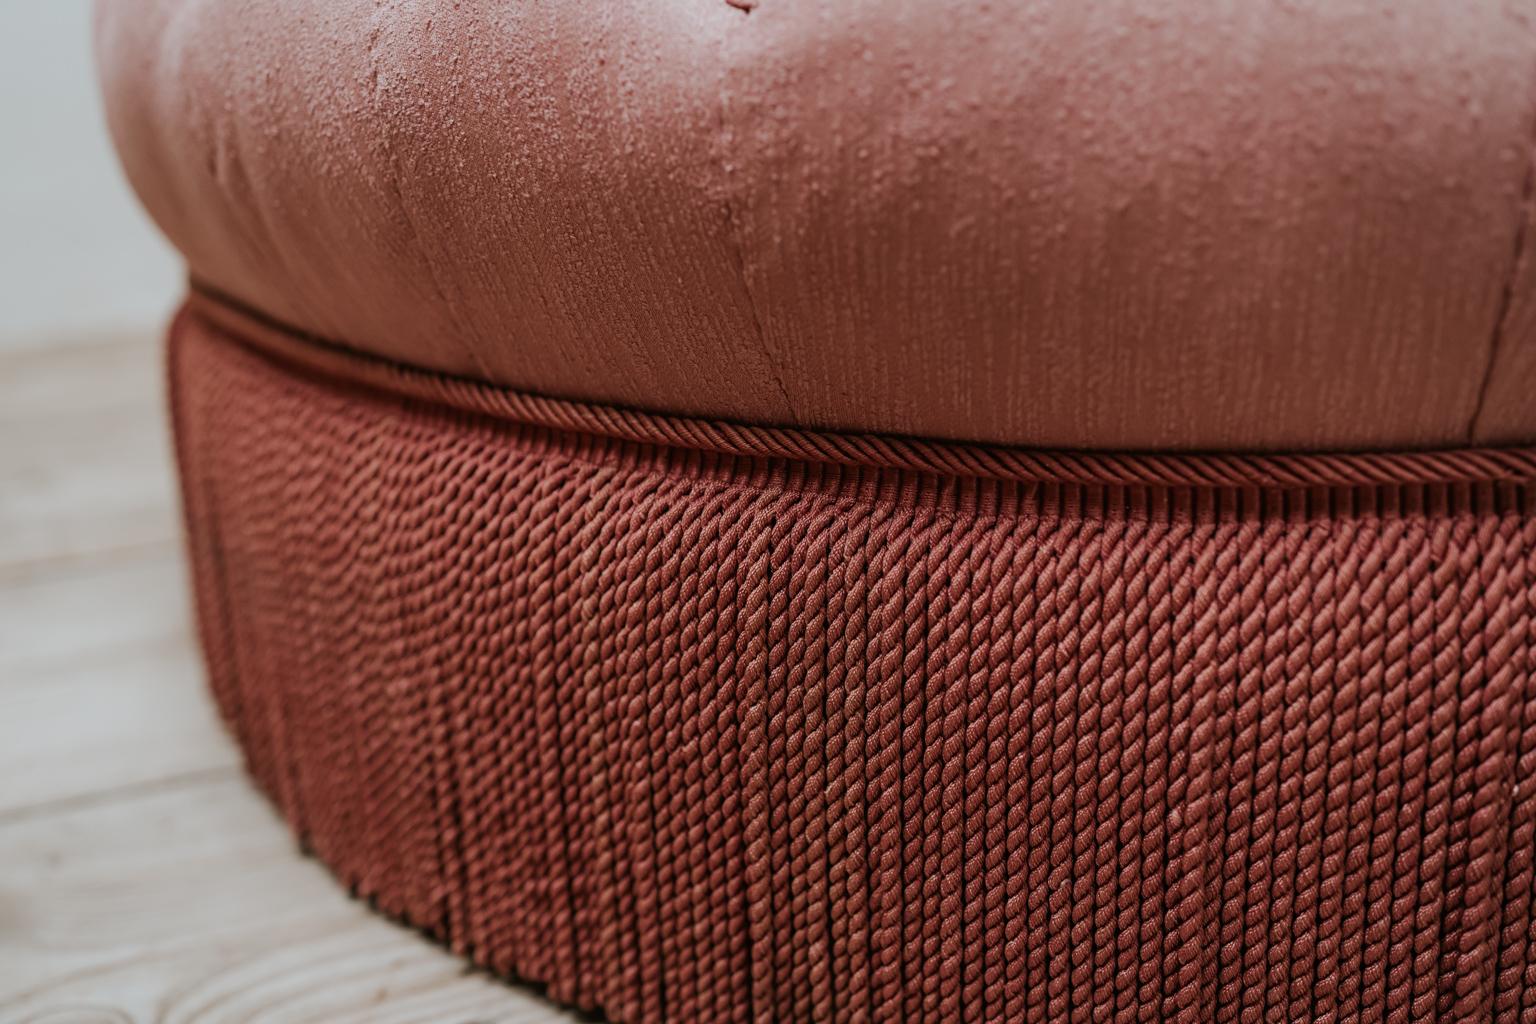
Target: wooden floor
141, 878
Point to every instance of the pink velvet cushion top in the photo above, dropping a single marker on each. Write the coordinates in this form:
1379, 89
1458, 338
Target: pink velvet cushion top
1121, 225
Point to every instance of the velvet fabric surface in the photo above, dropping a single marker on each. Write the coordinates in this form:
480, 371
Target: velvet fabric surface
1118, 225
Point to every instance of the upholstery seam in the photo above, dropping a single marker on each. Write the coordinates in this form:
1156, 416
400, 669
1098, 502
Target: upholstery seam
738, 254
1506, 300
392, 181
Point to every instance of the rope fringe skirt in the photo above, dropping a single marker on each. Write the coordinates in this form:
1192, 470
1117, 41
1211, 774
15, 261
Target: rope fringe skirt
696, 722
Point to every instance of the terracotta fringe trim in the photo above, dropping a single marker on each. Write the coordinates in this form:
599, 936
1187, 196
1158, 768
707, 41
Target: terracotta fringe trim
696, 722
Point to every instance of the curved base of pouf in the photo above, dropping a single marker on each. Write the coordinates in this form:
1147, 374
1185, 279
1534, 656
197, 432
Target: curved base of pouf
690, 721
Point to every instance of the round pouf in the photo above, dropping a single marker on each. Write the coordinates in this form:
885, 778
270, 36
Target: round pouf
808, 512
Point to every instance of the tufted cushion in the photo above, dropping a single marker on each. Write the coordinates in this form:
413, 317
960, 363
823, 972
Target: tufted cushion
1114, 225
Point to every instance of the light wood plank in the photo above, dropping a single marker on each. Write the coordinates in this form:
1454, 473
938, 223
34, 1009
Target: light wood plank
190, 905
106, 724
68, 615
85, 464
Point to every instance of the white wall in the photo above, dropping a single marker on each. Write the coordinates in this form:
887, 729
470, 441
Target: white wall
78, 257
